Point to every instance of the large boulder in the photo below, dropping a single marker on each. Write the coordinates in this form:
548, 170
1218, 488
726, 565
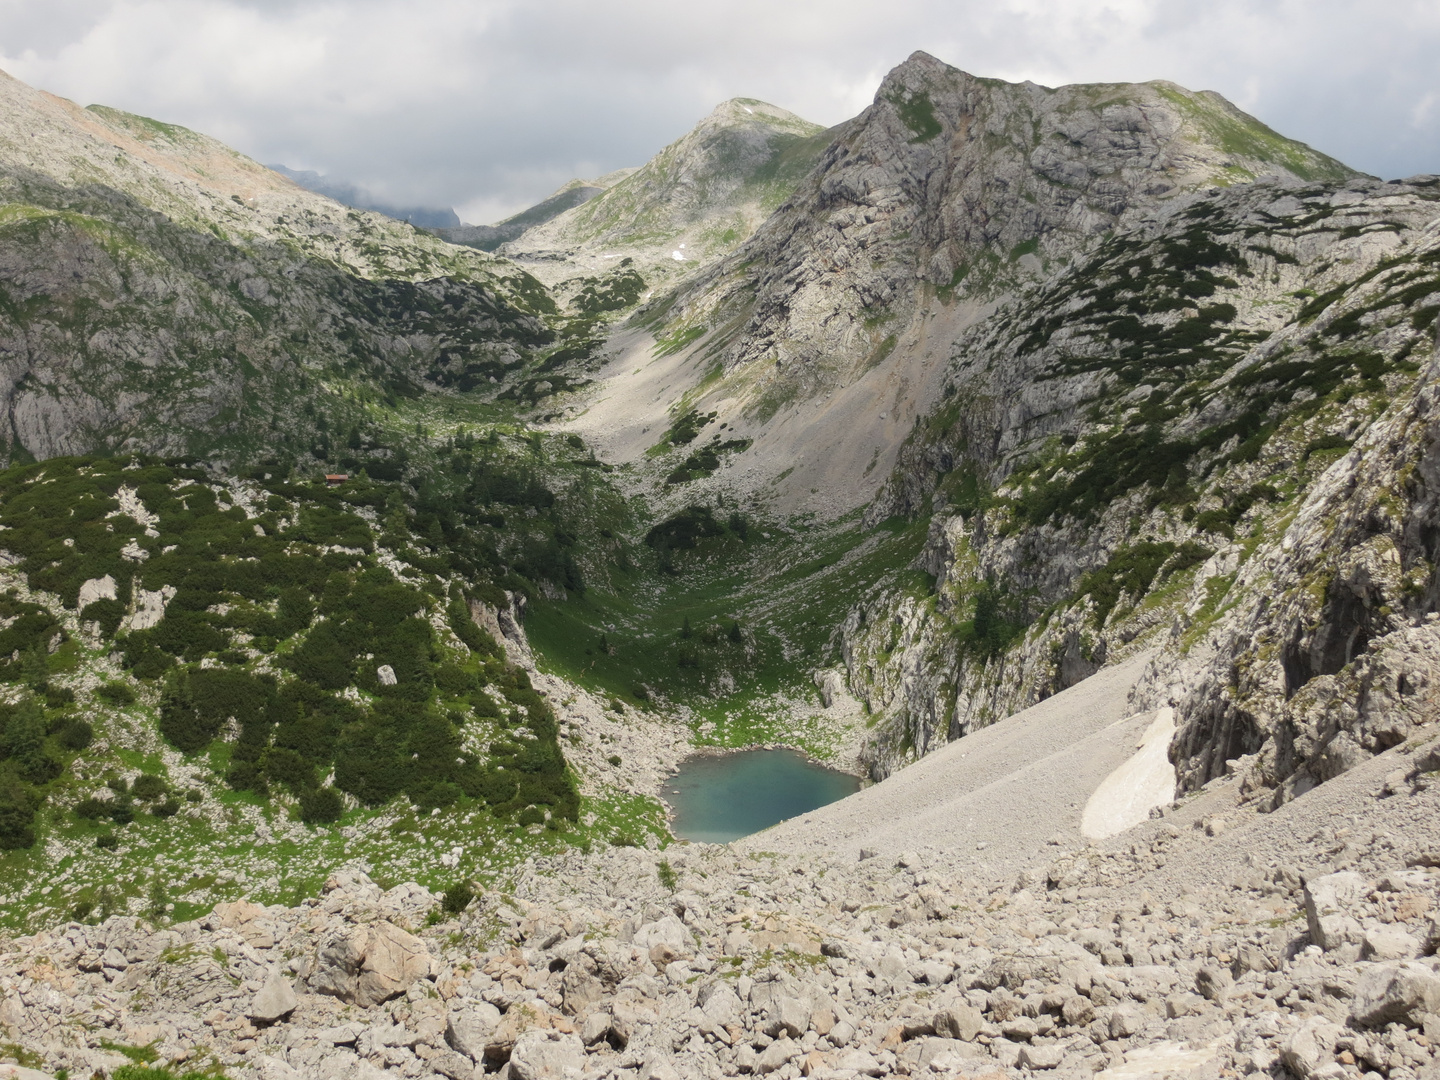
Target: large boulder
580, 990
547, 1055
1310, 1046
787, 1016
367, 965
720, 1006
275, 1000
1329, 905
468, 1027
518, 1020
777, 1055
959, 1022
1395, 993
668, 933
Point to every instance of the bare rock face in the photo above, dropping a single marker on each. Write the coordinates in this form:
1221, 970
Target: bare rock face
177, 329
468, 1028
947, 176
369, 964
275, 1000
1329, 901
699, 197
1396, 993
1298, 639
547, 1055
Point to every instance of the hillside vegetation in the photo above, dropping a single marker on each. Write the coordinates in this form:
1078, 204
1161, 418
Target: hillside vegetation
934, 415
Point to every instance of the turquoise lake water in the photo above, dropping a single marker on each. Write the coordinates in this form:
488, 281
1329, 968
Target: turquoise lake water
717, 798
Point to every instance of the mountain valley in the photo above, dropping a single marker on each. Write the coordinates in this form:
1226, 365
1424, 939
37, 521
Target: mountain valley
360, 586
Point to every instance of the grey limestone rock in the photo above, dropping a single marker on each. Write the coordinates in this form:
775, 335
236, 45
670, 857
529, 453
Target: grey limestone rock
369, 964
1126, 1021
959, 1022
1041, 1057
1212, 981
546, 1055
581, 990
596, 1027
777, 1055
1390, 943
1310, 1046
787, 1015
1329, 901
1395, 993
276, 999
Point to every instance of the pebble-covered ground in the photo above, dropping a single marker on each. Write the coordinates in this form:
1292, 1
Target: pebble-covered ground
1213, 941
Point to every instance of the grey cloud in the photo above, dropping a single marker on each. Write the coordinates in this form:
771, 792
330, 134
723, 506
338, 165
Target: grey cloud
489, 105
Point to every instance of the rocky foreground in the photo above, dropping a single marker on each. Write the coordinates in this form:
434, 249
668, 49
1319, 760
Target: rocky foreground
1213, 941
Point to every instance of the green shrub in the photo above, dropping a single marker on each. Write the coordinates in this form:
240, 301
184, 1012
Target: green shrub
57, 697
156, 1072
454, 680
916, 112
685, 529
148, 787
998, 622
189, 634
294, 770
295, 612
115, 693
436, 795
457, 898
320, 806
197, 701
476, 639
108, 613
1133, 569
18, 804
142, 657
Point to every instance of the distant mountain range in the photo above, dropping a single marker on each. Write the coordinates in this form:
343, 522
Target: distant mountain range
490, 237
427, 217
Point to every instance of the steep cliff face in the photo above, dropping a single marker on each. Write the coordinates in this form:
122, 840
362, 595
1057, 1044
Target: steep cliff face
1331, 650
1153, 450
957, 184
162, 292
825, 335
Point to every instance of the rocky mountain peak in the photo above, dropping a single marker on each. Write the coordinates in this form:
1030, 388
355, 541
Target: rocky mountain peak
952, 188
700, 196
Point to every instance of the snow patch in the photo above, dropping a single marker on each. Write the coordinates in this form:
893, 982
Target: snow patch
1144, 781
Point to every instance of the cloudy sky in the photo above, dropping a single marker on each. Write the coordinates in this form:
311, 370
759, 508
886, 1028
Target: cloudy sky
488, 105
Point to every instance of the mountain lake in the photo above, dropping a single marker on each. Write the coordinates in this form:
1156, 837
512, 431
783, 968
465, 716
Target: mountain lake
716, 798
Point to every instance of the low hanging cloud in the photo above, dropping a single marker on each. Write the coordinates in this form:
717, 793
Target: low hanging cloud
488, 105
